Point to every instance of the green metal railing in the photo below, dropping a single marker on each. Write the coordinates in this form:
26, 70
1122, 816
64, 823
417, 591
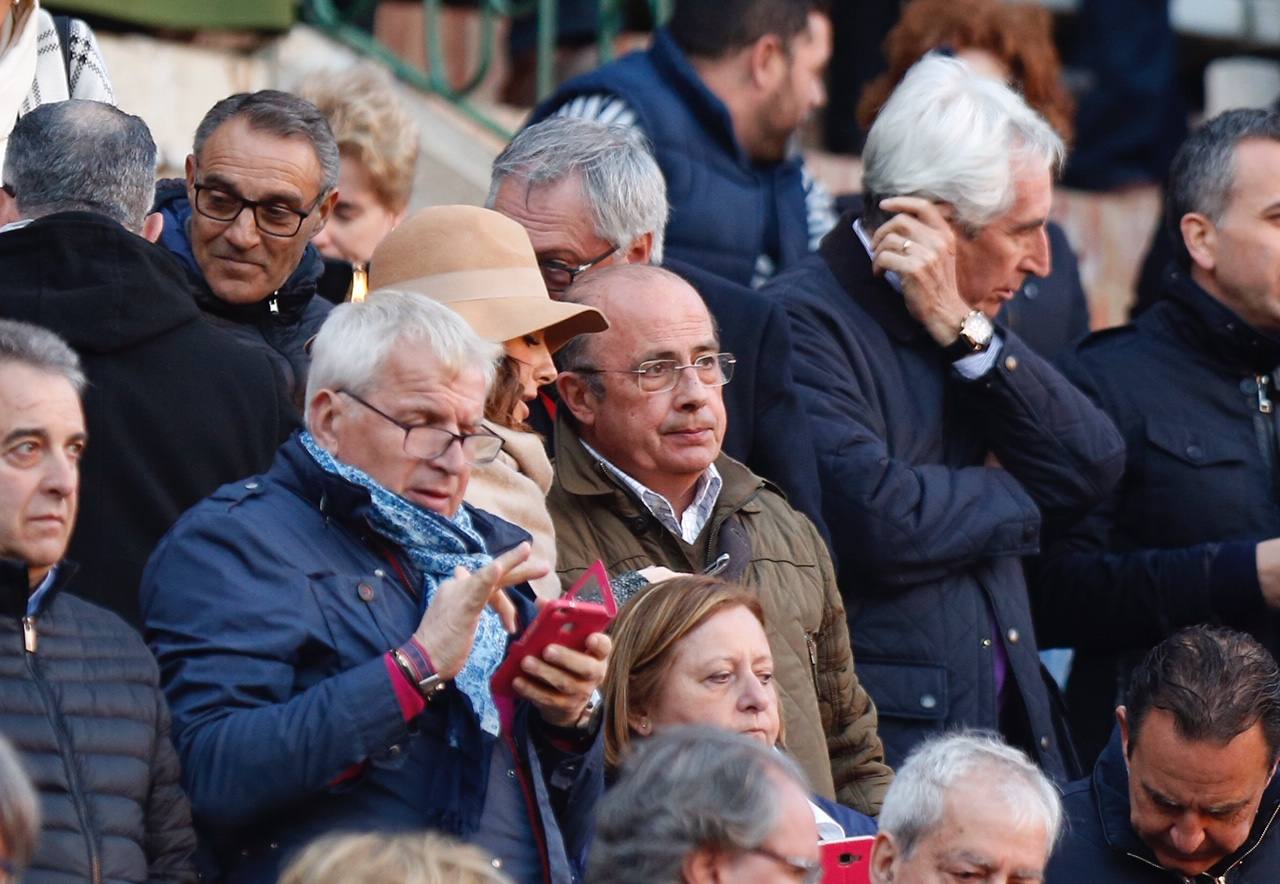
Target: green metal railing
324, 15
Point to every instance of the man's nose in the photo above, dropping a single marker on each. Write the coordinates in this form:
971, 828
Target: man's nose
243, 231
689, 391
1038, 259
452, 460
61, 475
1187, 835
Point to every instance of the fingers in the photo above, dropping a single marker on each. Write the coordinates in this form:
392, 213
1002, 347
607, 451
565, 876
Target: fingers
926, 211
505, 609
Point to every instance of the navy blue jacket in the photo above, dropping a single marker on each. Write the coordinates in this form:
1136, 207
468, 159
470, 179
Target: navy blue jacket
726, 211
929, 539
1175, 544
1099, 846
766, 427
278, 326
269, 607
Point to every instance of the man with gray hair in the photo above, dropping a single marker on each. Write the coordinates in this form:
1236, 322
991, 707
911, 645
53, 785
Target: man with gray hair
1192, 534
590, 196
176, 407
261, 181
329, 630
697, 805
942, 441
966, 806
79, 691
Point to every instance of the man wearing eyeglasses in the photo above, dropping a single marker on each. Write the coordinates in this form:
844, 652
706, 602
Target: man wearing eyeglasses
327, 632
260, 183
641, 481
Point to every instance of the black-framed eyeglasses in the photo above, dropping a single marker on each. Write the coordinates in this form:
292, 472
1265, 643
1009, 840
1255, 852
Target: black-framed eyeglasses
661, 375
428, 443
559, 276
273, 219
810, 870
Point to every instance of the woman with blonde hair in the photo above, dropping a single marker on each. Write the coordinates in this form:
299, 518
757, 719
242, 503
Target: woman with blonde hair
379, 858
480, 264
693, 650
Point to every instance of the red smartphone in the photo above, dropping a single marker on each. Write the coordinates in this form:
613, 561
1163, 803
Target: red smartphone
847, 861
565, 621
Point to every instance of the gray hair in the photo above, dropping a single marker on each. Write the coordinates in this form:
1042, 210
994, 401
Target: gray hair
621, 181
357, 337
686, 789
82, 156
281, 114
1202, 174
19, 810
916, 801
38, 348
948, 134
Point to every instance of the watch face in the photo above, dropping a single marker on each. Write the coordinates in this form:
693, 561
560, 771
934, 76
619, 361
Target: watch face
977, 330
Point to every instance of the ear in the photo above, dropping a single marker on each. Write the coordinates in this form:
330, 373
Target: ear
325, 414
325, 209
191, 177
1122, 718
768, 62
152, 227
701, 867
578, 398
641, 250
1201, 239
8, 209
639, 723
883, 855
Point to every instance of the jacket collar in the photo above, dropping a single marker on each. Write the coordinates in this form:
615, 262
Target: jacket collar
291, 299
850, 263
1111, 792
15, 586
350, 504
581, 475
1220, 330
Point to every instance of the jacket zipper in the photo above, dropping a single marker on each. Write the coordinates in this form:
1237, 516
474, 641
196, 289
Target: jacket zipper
531, 804
1265, 411
1221, 879
812, 644
30, 641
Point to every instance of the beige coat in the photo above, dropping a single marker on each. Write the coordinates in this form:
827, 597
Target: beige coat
514, 487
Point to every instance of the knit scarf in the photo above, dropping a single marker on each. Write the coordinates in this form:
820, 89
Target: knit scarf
435, 544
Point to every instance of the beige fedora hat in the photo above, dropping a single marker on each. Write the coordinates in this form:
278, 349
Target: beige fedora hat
481, 265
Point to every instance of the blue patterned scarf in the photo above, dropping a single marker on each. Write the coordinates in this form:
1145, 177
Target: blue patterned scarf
435, 544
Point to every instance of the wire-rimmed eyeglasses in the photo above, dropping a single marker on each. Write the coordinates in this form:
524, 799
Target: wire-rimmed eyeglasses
428, 443
661, 375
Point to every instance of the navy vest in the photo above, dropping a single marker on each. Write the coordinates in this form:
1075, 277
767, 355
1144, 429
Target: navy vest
725, 210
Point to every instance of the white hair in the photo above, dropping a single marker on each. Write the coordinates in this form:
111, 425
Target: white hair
621, 182
356, 338
951, 135
916, 800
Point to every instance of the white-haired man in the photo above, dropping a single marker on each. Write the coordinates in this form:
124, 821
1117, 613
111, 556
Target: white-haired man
916, 402
328, 662
966, 807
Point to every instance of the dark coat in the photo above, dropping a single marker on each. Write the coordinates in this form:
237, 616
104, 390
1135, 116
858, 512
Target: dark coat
726, 211
1175, 543
85, 712
766, 427
280, 325
929, 539
270, 606
174, 407
1099, 846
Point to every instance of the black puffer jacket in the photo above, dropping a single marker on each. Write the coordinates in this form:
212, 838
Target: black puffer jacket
85, 712
279, 325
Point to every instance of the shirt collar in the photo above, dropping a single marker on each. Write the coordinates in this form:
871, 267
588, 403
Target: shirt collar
37, 596
687, 525
890, 276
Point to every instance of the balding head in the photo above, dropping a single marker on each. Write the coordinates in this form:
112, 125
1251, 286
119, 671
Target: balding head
664, 438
